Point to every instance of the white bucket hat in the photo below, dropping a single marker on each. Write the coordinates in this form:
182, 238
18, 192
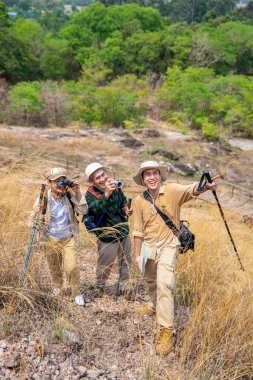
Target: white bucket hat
92, 168
55, 173
150, 165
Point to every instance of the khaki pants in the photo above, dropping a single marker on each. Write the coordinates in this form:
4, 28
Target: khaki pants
160, 277
61, 256
107, 253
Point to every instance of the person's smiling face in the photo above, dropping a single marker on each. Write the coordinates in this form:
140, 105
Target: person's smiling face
152, 179
99, 179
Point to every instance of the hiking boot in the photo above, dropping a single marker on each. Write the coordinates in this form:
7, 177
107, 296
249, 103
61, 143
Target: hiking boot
79, 300
165, 341
145, 309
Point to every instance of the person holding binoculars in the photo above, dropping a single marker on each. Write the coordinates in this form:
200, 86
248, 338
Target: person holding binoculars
63, 199
108, 205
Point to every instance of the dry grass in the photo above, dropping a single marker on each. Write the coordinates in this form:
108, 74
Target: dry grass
9, 139
94, 144
215, 343
214, 297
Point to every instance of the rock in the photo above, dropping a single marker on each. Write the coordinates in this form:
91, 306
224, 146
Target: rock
131, 142
13, 362
174, 135
183, 169
164, 153
1, 351
3, 344
149, 132
243, 144
82, 371
98, 322
121, 133
71, 336
94, 373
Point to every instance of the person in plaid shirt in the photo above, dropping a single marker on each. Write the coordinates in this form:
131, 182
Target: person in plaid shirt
108, 202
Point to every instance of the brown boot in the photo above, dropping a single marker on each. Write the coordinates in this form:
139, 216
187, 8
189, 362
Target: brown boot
165, 341
145, 309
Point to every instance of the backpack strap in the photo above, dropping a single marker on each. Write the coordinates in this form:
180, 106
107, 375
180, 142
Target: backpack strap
69, 198
165, 217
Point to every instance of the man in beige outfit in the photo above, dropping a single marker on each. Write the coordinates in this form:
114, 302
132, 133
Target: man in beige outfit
61, 230
155, 246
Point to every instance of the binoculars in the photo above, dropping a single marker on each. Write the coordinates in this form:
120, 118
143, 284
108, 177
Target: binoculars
65, 183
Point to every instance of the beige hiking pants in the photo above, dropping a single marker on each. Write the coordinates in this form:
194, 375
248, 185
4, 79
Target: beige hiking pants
160, 277
107, 254
61, 256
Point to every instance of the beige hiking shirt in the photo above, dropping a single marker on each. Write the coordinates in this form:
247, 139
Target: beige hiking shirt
149, 225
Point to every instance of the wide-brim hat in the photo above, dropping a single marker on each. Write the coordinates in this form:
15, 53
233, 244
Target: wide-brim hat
56, 173
91, 169
150, 165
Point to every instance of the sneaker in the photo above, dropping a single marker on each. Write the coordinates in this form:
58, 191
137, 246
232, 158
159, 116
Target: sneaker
56, 292
165, 341
79, 300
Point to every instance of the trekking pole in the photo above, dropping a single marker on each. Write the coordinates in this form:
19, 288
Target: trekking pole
42, 195
120, 265
201, 186
120, 262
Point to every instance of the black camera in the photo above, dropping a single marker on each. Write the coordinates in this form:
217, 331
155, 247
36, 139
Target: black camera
65, 183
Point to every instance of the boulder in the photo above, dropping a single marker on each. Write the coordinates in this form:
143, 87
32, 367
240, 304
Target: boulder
131, 142
150, 132
164, 153
183, 169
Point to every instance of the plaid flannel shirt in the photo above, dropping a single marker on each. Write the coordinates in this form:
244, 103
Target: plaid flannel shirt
114, 225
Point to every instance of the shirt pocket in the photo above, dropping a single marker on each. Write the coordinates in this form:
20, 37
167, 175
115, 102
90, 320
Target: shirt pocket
166, 209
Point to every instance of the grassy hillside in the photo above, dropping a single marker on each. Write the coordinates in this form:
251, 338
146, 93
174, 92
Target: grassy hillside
213, 302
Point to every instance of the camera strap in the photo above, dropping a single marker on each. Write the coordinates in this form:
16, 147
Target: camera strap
165, 217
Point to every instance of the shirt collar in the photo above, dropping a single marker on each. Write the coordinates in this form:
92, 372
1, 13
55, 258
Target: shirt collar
162, 189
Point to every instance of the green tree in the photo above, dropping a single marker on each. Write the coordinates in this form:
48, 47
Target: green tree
17, 63
229, 47
146, 52
57, 61
4, 18
196, 10
24, 101
32, 35
24, 5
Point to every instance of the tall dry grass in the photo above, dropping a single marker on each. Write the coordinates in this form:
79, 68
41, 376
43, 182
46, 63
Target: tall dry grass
216, 341
213, 296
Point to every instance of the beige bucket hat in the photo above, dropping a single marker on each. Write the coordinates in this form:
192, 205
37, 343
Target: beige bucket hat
55, 173
150, 165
